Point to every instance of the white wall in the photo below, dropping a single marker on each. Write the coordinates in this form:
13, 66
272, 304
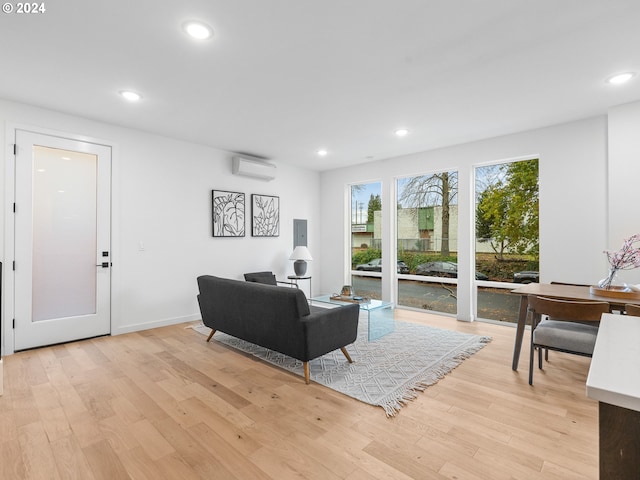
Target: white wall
162, 188
624, 179
162, 197
573, 199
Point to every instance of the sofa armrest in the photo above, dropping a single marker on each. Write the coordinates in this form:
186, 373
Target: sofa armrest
327, 329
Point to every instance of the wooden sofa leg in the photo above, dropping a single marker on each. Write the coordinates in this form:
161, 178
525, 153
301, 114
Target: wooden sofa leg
211, 334
306, 372
346, 354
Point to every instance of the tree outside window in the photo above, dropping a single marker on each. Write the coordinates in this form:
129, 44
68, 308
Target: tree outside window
507, 239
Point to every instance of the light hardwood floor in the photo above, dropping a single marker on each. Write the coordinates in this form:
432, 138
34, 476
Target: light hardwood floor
164, 404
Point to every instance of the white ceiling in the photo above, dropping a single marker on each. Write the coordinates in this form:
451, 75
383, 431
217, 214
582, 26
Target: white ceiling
282, 78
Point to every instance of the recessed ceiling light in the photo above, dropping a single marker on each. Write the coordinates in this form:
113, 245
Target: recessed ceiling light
130, 95
620, 78
322, 152
401, 132
197, 30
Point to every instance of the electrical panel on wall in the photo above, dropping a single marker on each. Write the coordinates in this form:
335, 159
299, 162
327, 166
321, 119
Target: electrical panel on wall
299, 233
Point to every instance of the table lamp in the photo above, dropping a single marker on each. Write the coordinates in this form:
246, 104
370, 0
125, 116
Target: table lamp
301, 256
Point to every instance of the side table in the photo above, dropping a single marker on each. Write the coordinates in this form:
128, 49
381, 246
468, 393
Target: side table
295, 278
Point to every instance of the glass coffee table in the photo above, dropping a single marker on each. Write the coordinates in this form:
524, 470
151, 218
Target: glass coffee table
380, 320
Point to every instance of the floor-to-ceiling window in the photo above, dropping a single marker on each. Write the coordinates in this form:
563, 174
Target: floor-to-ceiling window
427, 241
506, 229
504, 238
366, 239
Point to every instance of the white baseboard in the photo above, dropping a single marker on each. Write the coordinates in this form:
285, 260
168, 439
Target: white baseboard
154, 324
1, 379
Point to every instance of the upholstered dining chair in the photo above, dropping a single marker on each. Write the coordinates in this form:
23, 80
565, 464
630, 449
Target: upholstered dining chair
569, 326
631, 309
546, 350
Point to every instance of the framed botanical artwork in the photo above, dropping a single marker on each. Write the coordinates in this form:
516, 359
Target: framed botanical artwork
265, 216
227, 213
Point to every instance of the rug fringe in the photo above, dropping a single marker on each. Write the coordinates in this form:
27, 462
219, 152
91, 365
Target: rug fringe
411, 391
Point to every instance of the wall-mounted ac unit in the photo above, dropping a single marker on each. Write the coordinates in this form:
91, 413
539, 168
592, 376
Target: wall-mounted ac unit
249, 167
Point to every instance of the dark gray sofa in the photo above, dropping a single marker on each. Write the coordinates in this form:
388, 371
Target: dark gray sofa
277, 318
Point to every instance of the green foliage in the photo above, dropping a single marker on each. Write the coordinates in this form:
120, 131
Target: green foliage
507, 211
375, 205
365, 256
502, 270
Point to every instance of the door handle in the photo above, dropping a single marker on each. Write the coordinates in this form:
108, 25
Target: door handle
103, 265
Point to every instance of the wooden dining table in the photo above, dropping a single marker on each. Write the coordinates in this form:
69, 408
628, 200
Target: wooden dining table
561, 291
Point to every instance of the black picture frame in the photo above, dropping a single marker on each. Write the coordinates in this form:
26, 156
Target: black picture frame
265, 216
228, 213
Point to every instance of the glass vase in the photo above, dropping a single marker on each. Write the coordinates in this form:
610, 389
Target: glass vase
607, 282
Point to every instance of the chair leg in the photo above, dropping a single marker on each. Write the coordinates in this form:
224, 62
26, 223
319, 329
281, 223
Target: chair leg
546, 354
211, 334
346, 354
540, 357
531, 345
306, 372
531, 352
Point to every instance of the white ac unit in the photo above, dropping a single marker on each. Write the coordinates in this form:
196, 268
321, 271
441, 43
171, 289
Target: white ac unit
249, 167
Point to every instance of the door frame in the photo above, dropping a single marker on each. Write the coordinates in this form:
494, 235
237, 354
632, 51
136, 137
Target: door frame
8, 280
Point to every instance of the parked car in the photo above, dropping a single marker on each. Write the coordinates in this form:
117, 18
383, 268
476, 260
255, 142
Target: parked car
375, 265
526, 277
443, 269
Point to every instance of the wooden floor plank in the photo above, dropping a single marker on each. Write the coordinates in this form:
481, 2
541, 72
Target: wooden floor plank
104, 462
230, 458
70, 460
11, 464
37, 454
151, 440
190, 450
140, 466
408, 461
164, 403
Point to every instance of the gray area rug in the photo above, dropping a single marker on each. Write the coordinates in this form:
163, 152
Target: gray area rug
387, 372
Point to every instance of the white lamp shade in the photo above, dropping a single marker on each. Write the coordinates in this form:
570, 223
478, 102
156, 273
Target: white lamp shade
301, 253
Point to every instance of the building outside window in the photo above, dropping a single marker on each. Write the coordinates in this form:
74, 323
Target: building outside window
427, 241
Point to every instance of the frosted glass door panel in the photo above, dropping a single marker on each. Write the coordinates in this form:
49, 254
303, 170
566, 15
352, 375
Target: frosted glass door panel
64, 233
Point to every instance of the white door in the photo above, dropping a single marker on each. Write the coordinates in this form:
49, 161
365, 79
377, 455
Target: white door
62, 257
